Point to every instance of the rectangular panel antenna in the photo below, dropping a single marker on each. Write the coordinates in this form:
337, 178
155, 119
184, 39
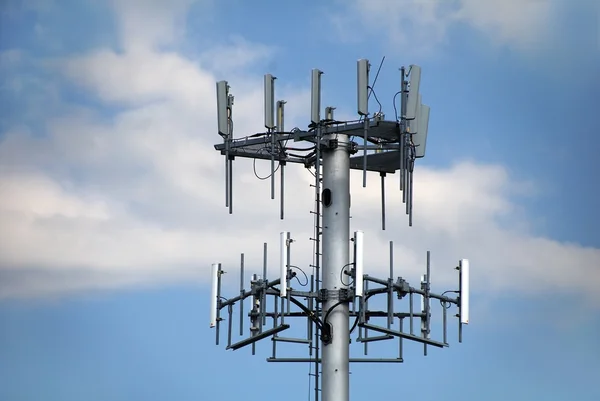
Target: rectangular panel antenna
315, 96
464, 290
269, 100
222, 106
280, 115
283, 262
362, 80
213, 294
359, 256
329, 113
413, 125
413, 92
420, 139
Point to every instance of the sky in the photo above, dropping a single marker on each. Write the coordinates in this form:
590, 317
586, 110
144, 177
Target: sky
112, 195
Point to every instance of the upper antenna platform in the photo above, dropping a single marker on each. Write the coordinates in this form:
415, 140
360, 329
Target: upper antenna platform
387, 146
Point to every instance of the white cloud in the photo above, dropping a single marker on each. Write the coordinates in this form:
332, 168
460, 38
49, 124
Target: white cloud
148, 24
517, 23
235, 56
137, 198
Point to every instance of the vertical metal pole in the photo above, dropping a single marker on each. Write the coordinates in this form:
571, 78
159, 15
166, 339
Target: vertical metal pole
366, 319
400, 348
289, 264
401, 154
275, 325
445, 319
230, 161
410, 307
272, 163
241, 294
382, 174
336, 234
229, 324
390, 300
427, 299
282, 194
227, 173
410, 195
402, 127
365, 143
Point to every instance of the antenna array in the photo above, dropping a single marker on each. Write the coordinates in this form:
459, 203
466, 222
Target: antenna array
381, 146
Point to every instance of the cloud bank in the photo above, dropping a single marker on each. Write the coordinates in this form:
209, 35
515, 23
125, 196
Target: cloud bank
126, 189
426, 23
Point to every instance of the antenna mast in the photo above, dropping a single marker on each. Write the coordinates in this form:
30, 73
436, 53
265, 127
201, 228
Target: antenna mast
387, 147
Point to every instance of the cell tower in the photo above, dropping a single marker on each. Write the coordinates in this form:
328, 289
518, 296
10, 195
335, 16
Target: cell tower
339, 289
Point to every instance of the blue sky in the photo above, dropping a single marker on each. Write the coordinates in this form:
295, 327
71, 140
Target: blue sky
112, 195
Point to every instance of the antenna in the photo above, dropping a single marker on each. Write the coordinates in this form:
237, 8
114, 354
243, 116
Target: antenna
420, 137
283, 263
413, 98
333, 300
358, 263
315, 99
280, 116
362, 80
225, 127
222, 108
413, 125
329, 113
213, 294
269, 100
464, 291
362, 84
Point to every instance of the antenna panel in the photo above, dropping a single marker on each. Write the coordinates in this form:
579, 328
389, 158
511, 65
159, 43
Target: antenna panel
280, 116
213, 294
464, 291
222, 106
413, 125
329, 113
283, 262
362, 80
413, 92
315, 99
420, 139
269, 100
359, 257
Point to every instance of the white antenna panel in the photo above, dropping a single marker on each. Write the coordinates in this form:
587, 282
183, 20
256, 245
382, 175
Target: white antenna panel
413, 92
413, 125
213, 294
222, 105
420, 139
362, 80
280, 116
464, 291
269, 100
359, 257
315, 98
283, 266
